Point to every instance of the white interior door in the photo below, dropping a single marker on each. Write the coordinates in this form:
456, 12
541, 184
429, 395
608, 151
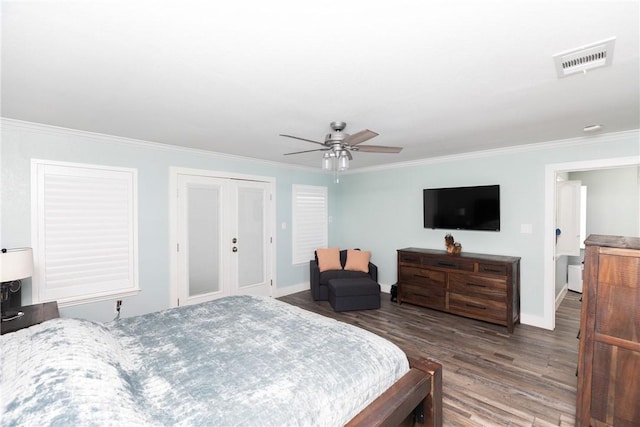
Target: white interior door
224, 238
252, 239
568, 218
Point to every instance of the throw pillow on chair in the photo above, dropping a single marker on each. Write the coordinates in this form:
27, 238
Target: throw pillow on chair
358, 260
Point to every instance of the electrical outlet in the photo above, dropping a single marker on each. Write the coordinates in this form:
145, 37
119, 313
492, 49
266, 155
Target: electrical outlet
118, 305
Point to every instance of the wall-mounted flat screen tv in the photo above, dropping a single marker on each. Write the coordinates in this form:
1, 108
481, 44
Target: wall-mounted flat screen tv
462, 208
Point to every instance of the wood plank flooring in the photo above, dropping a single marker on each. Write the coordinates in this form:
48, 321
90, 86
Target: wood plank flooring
490, 377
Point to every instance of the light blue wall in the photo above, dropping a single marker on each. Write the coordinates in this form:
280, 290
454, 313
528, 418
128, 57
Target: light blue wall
612, 200
381, 210
21, 143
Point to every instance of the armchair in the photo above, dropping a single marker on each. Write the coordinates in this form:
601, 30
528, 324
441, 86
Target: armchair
320, 281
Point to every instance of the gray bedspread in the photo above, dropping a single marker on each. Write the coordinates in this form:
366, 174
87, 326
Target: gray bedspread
232, 362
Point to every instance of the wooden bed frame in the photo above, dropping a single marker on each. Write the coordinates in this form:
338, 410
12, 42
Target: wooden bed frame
415, 399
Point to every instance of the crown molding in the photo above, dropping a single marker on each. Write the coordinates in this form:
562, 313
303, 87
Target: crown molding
111, 139
9, 124
561, 143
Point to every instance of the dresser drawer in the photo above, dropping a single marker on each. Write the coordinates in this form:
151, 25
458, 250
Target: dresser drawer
452, 263
619, 270
426, 296
478, 308
409, 258
483, 286
422, 276
492, 269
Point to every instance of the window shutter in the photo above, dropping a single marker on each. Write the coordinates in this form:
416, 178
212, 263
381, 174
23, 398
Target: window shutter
85, 232
310, 226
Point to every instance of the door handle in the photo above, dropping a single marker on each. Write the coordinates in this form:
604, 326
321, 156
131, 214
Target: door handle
235, 249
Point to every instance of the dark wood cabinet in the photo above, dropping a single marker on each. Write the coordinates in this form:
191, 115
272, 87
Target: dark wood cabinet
484, 287
609, 356
33, 314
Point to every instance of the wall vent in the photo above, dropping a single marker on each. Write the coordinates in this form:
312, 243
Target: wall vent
585, 58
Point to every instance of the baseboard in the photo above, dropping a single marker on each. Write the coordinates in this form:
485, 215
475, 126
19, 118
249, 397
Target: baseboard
288, 290
536, 321
561, 296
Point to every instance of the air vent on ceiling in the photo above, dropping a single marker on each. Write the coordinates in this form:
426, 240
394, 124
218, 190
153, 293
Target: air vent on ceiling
585, 58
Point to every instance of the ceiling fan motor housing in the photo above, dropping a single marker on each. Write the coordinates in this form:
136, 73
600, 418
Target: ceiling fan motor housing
339, 126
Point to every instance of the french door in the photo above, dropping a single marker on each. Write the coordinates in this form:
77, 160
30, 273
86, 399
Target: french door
224, 243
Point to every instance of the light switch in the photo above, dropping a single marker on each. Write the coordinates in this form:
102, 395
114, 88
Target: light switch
526, 228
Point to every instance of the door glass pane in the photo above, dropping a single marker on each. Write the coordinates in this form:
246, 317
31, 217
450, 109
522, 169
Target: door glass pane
250, 236
204, 239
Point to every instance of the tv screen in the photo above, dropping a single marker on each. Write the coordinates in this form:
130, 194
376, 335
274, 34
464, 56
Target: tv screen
462, 208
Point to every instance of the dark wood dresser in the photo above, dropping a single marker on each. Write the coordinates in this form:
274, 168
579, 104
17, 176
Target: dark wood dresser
483, 287
609, 356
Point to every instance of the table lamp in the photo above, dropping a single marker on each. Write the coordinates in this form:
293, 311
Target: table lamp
15, 264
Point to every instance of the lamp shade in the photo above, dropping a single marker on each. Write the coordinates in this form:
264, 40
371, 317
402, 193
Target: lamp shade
16, 264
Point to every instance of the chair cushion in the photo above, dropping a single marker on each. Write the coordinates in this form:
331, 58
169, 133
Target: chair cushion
358, 260
328, 259
340, 274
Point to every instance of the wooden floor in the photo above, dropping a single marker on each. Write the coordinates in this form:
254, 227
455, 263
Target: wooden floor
490, 377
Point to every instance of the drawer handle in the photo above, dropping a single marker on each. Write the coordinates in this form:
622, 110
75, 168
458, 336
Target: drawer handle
420, 276
447, 264
476, 285
492, 270
481, 307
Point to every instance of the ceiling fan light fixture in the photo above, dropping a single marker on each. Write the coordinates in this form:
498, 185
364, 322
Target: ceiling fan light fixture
343, 161
338, 145
327, 162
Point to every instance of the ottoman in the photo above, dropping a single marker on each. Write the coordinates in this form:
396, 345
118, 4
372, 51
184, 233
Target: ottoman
354, 294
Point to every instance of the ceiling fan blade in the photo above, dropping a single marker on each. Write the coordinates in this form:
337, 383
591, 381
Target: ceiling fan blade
378, 149
303, 139
307, 151
359, 137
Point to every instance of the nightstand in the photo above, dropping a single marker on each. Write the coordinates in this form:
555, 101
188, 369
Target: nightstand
33, 314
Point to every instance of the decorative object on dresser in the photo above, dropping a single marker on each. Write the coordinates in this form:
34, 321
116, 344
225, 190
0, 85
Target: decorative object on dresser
452, 247
483, 287
15, 264
609, 357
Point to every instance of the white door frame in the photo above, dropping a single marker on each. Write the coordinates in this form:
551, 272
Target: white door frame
551, 173
173, 220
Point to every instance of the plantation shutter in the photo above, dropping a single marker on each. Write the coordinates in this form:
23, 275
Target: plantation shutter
309, 223
84, 232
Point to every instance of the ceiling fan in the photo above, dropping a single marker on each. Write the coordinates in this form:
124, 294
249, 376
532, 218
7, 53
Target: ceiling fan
338, 145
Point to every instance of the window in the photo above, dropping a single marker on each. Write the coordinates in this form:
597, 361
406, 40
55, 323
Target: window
84, 232
309, 222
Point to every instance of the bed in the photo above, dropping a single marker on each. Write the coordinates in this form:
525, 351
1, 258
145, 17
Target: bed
235, 361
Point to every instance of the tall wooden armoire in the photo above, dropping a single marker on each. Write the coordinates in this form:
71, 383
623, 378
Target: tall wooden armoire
609, 355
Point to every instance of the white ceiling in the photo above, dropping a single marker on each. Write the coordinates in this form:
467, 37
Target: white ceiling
437, 77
